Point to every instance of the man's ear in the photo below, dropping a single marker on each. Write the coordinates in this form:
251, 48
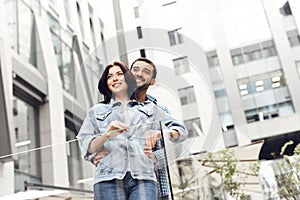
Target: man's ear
152, 81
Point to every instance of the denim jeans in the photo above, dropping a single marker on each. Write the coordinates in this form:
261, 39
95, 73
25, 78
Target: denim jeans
125, 189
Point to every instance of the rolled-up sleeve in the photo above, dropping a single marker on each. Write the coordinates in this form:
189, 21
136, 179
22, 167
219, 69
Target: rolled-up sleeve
160, 157
172, 123
87, 133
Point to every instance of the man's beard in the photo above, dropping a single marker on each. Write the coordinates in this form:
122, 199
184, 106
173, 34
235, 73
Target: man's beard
144, 86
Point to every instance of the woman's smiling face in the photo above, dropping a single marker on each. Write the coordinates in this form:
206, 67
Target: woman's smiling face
116, 81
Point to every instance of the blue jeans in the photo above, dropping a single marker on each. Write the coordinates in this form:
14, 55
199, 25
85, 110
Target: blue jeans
125, 189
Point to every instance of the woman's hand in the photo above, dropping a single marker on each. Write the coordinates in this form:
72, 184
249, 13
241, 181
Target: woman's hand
115, 128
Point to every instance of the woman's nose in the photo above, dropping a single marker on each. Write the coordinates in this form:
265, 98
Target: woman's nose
115, 77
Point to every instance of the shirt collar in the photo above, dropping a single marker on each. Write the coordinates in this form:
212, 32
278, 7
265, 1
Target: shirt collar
132, 102
151, 98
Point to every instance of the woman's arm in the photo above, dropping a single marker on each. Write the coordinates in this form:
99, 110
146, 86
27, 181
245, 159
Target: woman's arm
114, 129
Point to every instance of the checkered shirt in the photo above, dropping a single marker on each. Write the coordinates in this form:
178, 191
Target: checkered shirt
160, 166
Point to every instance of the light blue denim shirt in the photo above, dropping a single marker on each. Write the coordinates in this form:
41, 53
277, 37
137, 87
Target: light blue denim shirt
127, 149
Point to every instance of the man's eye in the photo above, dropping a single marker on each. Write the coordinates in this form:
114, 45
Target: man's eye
147, 71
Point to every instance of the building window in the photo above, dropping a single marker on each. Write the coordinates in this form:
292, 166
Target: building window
194, 127
237, 56
136, 12
226, 121
27, 165
265, 96
181, 65
268, 49
93, 33
175, 37
298, 67
187, 95
67, 10
21, 29
212, 58
80, 20
102, 37
139, 32
143, 53
167, 3
261, 82
265, 112
252, 52
64, 58
293, 37
74, 159
62, 44
220, 92
285, 10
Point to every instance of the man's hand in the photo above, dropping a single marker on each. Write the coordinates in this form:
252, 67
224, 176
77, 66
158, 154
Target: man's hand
151, 137
148, 152
174, 134
100, 155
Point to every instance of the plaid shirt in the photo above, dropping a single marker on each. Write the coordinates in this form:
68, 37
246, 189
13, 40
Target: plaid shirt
158, 151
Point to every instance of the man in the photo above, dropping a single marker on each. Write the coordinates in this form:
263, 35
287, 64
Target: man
145, 73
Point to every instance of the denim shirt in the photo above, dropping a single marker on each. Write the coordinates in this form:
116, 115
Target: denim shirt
127, 149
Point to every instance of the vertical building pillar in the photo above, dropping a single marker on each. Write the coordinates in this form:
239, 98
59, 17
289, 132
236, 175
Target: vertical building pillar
6, 121
228, 71
6, 116
120, 31
52, 126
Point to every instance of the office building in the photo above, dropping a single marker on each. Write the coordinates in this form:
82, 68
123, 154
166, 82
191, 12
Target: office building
229, 69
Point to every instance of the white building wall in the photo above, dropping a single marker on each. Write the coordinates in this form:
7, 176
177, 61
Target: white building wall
284, 51
156, 20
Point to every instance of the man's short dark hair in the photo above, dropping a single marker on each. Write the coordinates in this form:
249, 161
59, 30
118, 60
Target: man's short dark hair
146, 61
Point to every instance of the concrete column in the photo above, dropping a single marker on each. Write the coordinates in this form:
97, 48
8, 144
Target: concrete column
6, 116
52, 126
7, 178
227, 69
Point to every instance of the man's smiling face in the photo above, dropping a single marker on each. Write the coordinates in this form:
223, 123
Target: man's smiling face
143, 73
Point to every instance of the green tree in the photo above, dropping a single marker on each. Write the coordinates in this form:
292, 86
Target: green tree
230, 171
288, 173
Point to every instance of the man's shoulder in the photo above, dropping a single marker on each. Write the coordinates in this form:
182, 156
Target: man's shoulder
154, 100
151, 98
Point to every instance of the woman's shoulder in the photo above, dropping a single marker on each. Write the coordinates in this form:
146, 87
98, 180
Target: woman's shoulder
100, 107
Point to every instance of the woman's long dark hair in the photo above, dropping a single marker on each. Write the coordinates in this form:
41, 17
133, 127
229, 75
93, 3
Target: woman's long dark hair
129, 79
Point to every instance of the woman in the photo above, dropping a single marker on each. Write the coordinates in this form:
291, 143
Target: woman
120, 123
